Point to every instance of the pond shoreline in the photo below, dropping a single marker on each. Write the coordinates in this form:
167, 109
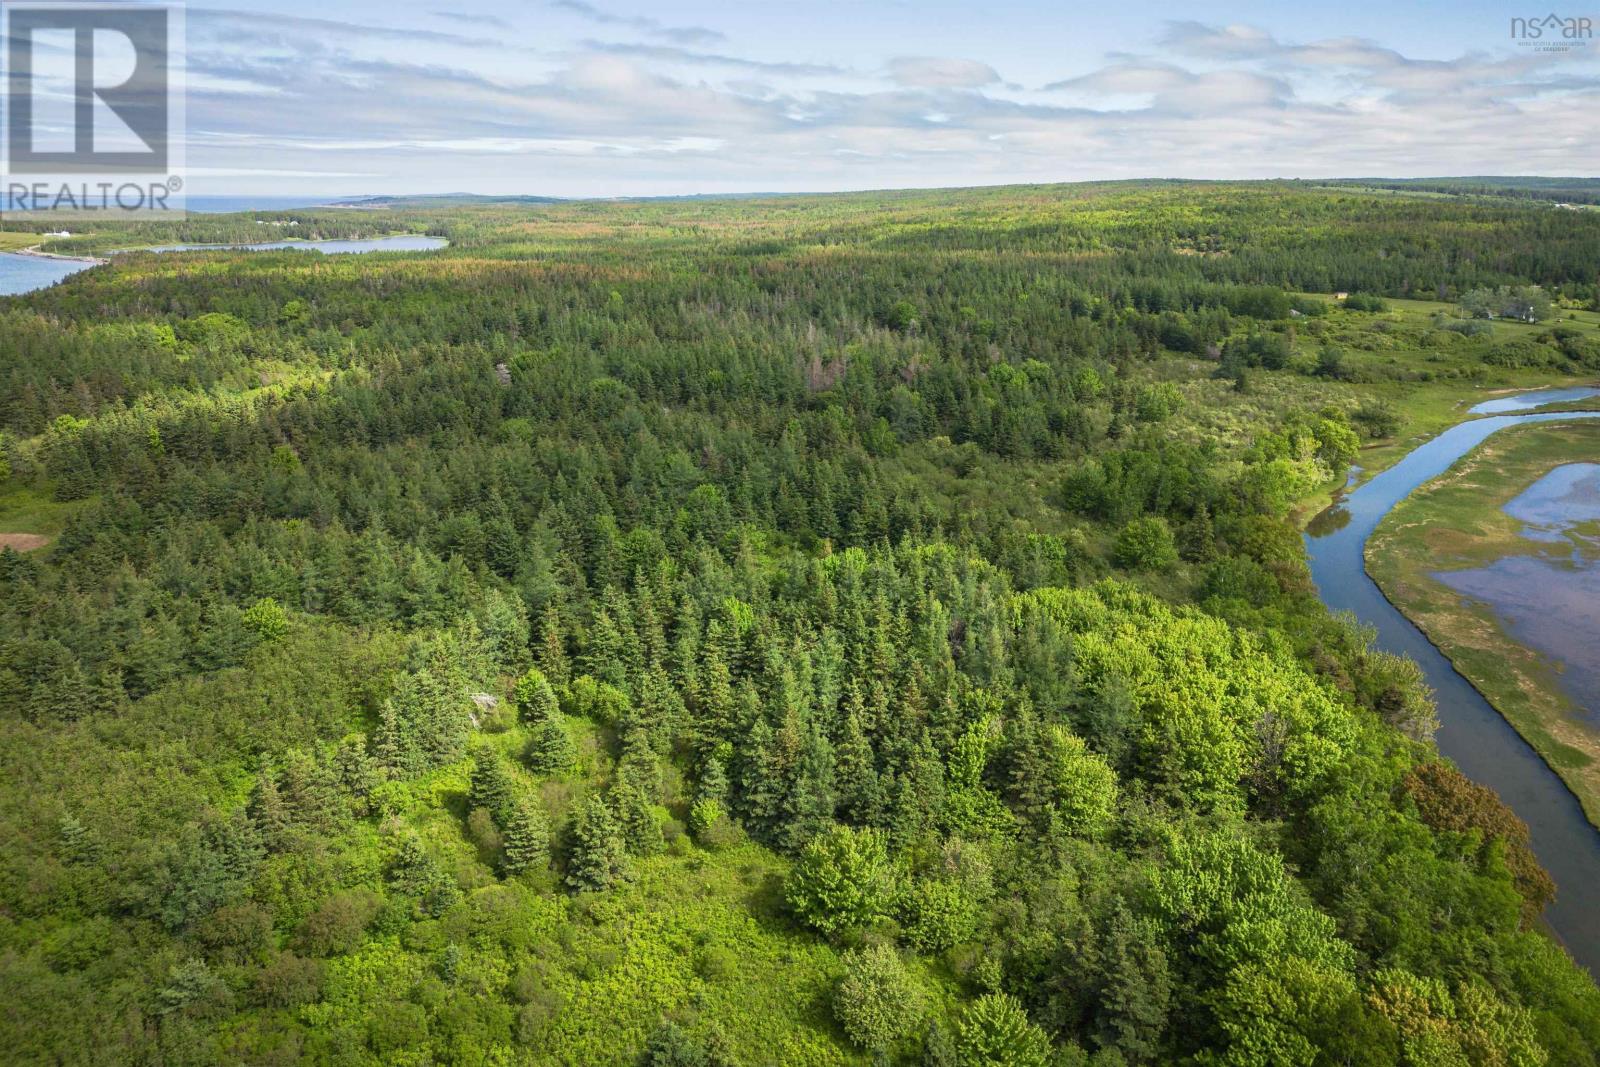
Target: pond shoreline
36, 252
1593, 817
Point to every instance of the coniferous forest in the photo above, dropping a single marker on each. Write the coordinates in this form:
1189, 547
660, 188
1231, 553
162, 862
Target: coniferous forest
809, 630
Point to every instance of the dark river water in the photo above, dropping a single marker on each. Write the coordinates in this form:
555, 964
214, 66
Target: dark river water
1471, 732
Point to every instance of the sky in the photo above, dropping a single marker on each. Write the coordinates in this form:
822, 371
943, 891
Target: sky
622, 98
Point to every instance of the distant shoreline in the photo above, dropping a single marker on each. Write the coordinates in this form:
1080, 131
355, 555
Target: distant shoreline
33, 250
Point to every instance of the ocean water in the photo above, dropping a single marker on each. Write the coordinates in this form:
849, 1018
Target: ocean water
219, 205
401, 243
24, 274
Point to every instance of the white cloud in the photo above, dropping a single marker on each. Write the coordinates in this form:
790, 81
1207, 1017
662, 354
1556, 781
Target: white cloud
938, 72
643, 24
600, 117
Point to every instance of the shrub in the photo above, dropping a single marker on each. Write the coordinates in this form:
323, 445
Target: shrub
675, 1046
339, 923
288, 981
267, 619
1376, 419
1146, 544
704, 815
876, 1001
1524, 303
995, 1032
938, 915
842, 881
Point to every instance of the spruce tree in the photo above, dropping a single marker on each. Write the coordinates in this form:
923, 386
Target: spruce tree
310, 793
417, 874
358, 773
549, 748
809, 807
860, 791
395, 743
536, 698
527, 839
761, 779
76, 844
490, 787
552, 650
268, 811
636, 818
597, 858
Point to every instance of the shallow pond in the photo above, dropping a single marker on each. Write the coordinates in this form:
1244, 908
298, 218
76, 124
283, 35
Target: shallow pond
1551, 605
1555, 506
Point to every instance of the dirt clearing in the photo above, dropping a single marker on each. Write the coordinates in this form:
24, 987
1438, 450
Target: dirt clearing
23, 542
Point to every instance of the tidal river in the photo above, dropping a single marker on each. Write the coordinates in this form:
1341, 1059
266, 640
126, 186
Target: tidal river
1471, 732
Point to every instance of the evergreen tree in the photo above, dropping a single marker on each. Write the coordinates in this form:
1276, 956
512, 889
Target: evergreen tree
636, 818
310, 793
994, 1031
358, 773
1135, 987
550, 749
762, 779
536, 699
417, 874
552, 650
810, 805
77, 846
597, 857
855, 771
268, 810
527, 839
490, 787
394, 744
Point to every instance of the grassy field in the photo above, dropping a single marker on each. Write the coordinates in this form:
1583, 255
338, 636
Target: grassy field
1427, 376
29, 519
13, 240
1455, 522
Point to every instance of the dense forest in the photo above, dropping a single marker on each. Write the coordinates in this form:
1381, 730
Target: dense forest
808, 630
1560, 190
